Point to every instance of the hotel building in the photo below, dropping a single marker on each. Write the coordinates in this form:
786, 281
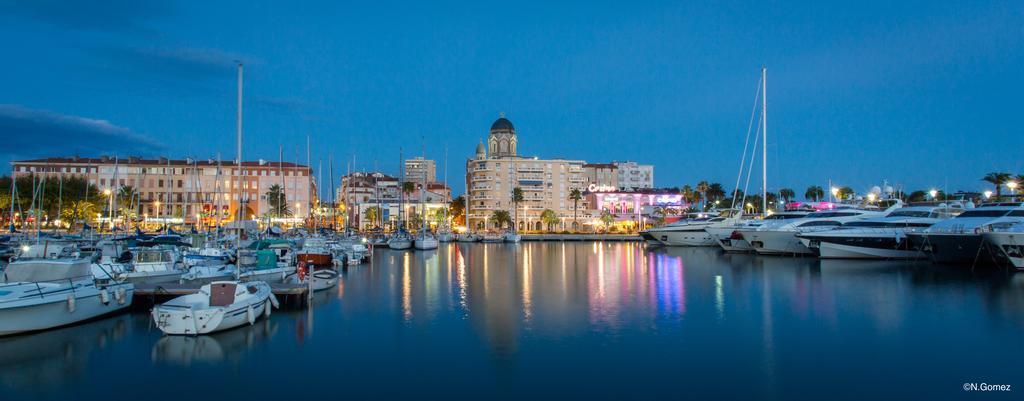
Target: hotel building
419, 169
361, 191
497, 169
187, 190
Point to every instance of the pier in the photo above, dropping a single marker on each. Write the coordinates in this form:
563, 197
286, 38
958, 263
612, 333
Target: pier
147, 295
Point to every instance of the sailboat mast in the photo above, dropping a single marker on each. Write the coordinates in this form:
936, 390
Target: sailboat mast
238, 150
764, 142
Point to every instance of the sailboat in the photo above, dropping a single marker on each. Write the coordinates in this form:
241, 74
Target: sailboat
444, 232
424, 238
401, 239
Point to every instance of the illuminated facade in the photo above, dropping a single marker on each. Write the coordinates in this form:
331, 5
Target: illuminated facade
187, 190
546, 184
634, 206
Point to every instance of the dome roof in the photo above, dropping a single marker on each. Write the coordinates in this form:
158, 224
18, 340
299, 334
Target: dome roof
502, 123
480, 149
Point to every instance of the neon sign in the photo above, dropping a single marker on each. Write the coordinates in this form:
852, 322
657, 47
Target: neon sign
601, 188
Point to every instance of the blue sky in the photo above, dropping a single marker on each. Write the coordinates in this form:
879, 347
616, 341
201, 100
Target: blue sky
919, 93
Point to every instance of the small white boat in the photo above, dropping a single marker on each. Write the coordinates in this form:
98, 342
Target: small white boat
321, 279
45, 293
155, 265
206, 274
400, 240
217, 306
512, 237
425, 241
493, 237
445, 235
467, 237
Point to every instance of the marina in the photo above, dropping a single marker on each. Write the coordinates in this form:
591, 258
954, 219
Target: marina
499, 317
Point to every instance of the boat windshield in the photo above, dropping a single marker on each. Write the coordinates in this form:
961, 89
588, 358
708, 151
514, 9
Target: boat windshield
983, 213
909, 213
152, 257
819, 215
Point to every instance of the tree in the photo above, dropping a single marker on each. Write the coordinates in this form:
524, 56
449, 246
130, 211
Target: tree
917, 196
814, 193
372, 214
607, 218
702, 189
277, 201
786, 194
415, 220
457, 209
517, 196
550, 218
575, 195
408, 187
715, 192
845, 193
997, 179
500, 218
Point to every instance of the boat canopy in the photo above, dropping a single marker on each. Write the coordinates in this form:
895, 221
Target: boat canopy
269, 243
40, 270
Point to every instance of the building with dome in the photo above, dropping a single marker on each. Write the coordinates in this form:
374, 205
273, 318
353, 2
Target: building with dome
497, 168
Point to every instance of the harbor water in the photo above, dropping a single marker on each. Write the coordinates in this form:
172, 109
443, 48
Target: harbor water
610, 320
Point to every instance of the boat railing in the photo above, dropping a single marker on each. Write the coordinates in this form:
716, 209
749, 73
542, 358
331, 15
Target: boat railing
83, 281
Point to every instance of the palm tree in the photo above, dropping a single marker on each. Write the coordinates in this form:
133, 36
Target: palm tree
371, 214
845, 193
278, 203
549, 217
607, 218
408, 187
786, 194
517, 196
687, 193
575, 195
500, 218
997, 179
457, 209
814, 193
702, 189
715, 192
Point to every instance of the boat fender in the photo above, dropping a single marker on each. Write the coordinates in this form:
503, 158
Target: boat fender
104, 297
250, 314
266, 311
301, 268
273, 301
71, 303
120, 294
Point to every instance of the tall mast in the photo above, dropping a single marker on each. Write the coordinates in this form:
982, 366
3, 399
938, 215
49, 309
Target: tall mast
170, 208
401, 187
238, 150
764, 142
309, 193
218, 189
281, 198
60, 195
14, 192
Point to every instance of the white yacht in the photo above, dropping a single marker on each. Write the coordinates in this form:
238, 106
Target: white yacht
217, 306
959, 241
400, 240
49, 292
778, 237
467, 237
512, 237
154, 265
208, 273
878, 238
685, 232
424, 240
1009, 241
728, 236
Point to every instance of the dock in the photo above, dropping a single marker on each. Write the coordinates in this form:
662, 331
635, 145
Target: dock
147, 295
581, 237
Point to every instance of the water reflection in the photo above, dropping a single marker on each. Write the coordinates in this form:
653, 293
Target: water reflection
57, 356
227, 346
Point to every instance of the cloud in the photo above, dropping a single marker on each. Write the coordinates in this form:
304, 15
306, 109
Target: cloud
97, 16
185, 62
42, 133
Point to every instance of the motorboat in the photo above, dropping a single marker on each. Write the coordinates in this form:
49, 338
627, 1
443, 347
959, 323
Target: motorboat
1009, 241
445, 234
729, 237
685, 232
206, 273
878, 238
400, 240
154, 265
492, 237
48, 292
512, 237
467, 237
959, 240
316, 252
779, 237
217, 306
424, 240
318, 279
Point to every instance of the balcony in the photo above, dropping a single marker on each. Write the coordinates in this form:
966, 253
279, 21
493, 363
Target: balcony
483, 178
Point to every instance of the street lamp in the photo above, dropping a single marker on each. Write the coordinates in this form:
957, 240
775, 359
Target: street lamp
988, 194
933, 193
871, 197
1013, 187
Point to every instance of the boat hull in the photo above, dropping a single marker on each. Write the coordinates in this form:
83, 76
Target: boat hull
154, 277
1010, 244
55, 311
959, 249
775, 243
